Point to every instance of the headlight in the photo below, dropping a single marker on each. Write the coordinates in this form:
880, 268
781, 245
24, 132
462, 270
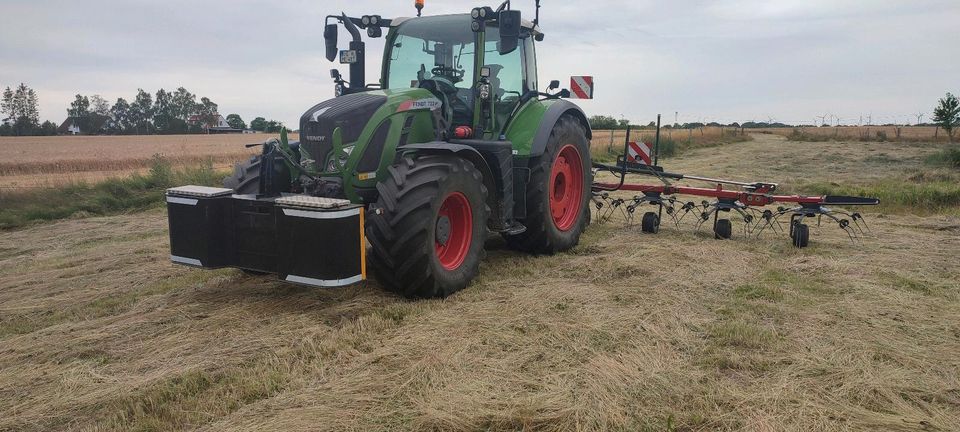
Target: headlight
332, 163
484, 91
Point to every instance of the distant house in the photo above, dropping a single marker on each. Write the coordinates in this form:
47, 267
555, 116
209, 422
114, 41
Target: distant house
92, 124
219, 124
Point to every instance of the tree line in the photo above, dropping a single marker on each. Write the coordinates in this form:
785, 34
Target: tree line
605, 122
163, 112
19, 113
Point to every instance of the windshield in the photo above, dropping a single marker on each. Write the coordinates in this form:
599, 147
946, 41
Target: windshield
432, 47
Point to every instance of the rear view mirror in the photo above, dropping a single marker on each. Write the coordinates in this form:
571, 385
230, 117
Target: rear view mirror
509, 23
555, 84
330, 38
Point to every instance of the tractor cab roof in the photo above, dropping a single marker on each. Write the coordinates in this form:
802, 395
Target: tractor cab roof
450, 24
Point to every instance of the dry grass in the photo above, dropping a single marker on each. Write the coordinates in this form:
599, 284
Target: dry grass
697, 137
52, 161
626, 332
866, 133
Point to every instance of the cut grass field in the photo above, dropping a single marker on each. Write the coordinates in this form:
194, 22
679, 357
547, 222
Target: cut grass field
626, 332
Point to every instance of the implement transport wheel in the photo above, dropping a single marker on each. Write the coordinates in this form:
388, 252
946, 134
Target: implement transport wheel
723, 229
800, 234
558, 192
428, 238
650, 223
246, 177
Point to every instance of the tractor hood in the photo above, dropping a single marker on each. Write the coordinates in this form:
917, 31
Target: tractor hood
350, 113
354, 114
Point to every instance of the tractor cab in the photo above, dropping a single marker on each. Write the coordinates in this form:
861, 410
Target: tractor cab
481, 66
479, 88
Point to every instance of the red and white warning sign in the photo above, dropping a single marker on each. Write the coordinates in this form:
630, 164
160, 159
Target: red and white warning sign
639, 152
581, 87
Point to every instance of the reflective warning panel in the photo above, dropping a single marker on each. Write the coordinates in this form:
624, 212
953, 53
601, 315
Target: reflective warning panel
581, 87
639, 152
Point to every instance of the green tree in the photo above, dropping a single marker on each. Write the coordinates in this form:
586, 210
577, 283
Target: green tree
79, 111
236, 122
80, 107
207, 110
120, 116
162, 111
48, 128
20, 106
602, 122
947, 114
99, 106
258, 124
141, 112
273, 126
183, 104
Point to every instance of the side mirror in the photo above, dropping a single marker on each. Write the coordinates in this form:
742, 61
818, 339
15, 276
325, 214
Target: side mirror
555, 84
509, 23
330, 38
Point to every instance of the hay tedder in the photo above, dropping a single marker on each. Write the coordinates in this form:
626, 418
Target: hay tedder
749, 201
412, 173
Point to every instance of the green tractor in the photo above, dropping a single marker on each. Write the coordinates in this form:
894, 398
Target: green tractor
453, 143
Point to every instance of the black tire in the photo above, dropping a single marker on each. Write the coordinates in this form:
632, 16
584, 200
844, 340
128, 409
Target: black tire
650, 223
542, 235
404, 257
253, 272
800, 235
723, 229
246, 177
588, 216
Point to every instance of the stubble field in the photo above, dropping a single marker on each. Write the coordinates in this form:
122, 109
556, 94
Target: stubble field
677, 331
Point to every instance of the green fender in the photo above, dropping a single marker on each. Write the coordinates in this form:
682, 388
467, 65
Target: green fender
530, 128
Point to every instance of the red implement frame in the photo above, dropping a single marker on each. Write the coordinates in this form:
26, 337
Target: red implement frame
757, 199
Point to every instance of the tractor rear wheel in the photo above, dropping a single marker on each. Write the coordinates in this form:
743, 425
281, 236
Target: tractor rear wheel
558, 192
246, 177
429, 226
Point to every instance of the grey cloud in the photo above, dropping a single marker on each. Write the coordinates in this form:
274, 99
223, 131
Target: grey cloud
713, 60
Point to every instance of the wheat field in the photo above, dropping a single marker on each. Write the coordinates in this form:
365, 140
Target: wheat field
51, 161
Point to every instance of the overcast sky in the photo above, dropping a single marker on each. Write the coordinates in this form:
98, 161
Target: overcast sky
719, 60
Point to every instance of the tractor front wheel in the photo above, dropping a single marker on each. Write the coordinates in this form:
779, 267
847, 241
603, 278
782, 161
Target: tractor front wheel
246, 177
558, 192
429, 226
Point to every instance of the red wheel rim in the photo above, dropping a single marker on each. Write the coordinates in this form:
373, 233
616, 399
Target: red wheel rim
566, 187
453, 231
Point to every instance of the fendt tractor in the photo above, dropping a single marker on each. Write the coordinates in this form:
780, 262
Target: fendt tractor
453, 143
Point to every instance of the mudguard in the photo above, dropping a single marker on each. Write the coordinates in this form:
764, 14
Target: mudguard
550, 118
467, 152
